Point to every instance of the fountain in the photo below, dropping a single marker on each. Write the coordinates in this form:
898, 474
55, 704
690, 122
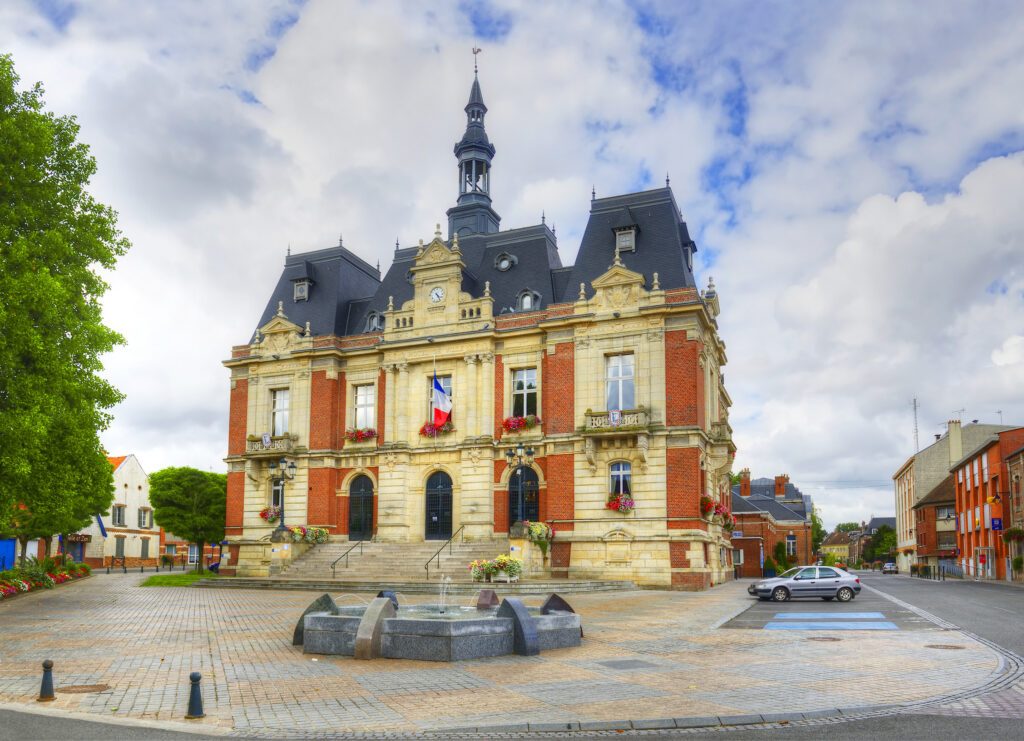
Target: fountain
437, 632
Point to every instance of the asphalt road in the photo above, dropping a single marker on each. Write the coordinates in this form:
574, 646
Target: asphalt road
26, 726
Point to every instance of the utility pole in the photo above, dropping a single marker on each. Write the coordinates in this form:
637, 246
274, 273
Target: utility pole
917, 441
1000, 413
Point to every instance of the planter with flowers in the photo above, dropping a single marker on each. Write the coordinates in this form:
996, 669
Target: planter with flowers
540, 534
621, 503
502, 568
360, 434
1013, 535
707, 506
301, 534
520, 424
431, 430
271, 514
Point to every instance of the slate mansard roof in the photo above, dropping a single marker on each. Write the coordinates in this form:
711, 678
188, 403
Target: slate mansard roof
345, 289
794, 505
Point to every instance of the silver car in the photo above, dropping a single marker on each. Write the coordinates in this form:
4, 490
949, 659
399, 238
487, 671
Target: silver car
808, 581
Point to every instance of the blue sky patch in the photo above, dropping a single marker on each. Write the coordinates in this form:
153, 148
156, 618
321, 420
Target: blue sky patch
997, 288
488, 23
58, 12
280, 23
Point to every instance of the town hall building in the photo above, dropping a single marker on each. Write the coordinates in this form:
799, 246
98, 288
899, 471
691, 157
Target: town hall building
587, 396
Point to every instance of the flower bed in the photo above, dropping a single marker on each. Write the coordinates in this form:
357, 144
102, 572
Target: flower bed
358, 435
431, 430
36, 575
518, 424
482, 569
302, 534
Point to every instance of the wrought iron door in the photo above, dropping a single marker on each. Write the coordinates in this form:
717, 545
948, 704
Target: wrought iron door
439, 507
360, 509
523, 496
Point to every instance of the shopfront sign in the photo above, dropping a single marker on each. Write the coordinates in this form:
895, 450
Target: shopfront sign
79, 538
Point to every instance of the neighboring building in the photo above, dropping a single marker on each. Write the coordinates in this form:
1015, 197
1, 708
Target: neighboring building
185, 553
935, 525
838, 545
768, 512
618, 355
1015, 477
859, 538
924, 471
982, 490
131, 532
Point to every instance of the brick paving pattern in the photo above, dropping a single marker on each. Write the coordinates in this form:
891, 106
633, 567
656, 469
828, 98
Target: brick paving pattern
645, 655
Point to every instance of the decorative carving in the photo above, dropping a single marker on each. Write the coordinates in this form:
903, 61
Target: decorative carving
391, 303
588, 449
487, 289
390, 461
307, 333
642, 446
655, 285
583, 292
280, 308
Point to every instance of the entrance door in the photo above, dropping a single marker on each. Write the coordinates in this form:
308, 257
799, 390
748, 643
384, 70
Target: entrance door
523, 496
145, 548
360, 509
439, 507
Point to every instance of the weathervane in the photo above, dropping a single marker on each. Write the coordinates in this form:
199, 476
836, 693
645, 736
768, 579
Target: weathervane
476, 50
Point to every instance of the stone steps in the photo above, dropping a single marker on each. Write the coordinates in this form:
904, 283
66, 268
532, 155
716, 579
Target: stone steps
457, 587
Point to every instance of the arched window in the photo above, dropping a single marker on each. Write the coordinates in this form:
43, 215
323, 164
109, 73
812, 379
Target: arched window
374, 322
621, 478
528, 301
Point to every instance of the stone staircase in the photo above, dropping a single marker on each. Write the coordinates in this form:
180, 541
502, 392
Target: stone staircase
391, 562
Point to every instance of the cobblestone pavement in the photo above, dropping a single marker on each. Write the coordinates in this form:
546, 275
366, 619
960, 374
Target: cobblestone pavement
645, 655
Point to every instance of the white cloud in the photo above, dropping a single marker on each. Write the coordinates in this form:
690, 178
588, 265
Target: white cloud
828, 159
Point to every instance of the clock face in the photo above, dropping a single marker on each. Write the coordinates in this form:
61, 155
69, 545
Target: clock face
436, 294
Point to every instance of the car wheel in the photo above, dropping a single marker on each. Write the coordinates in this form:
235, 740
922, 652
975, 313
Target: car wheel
845, 594
780, 594
828, 599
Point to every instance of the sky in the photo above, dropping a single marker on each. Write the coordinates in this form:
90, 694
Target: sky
851, 172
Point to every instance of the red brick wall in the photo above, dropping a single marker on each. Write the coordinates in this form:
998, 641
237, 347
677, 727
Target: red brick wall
561, 498
561, 556
677, 554
501, 523
235, 501
684, 380
239, 411
499, 397
559, 389
326, 411
683, 491
323, 486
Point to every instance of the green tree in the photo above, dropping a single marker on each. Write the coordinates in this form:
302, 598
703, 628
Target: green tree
848, 527
54, 240
780, 556
818, 531
882, 545
191, 504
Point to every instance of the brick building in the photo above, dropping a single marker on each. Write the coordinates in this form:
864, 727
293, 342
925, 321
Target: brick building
1014, 503
982, 493
770, 511
608, 371
935, 525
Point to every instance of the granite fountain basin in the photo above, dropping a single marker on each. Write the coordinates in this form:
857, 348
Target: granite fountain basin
436, 632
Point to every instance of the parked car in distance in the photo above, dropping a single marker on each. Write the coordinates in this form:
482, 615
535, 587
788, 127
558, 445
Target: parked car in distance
824, 582
890, 568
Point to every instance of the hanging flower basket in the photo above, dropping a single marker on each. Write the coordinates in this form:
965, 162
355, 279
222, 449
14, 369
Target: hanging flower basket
271, 514
518, 424
431, 430
707, 505
358, 435
620, 503
1013, 535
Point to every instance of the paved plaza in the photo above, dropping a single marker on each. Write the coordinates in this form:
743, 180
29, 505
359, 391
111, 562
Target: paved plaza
645, 655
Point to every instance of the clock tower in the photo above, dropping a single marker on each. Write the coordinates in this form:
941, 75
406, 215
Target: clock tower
473, 213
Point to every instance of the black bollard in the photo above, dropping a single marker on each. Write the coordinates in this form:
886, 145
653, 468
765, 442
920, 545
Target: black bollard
195, 698
46, 689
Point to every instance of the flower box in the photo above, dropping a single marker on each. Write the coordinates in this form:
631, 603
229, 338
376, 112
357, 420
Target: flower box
431, 430
519, 424
360, 435
620, 503
271, 514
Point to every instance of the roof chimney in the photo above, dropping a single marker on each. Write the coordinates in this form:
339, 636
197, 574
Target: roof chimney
956, 443
780, 485
745, 482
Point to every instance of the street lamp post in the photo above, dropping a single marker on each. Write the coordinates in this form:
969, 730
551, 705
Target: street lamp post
519, 458
281, 471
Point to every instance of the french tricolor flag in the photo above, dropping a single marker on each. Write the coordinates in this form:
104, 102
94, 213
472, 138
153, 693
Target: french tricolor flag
442, 403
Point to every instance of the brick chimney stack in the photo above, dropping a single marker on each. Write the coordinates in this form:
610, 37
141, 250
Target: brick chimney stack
745, 482
780, 485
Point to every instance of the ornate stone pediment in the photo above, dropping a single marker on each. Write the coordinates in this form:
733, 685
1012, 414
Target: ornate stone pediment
618, 289
279, 335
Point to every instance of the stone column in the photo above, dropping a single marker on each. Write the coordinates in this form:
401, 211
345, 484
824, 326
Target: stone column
486, 389
402, 399
390, 402
473, 397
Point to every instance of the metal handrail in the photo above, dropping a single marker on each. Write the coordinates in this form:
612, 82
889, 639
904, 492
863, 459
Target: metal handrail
358, 544
447, 543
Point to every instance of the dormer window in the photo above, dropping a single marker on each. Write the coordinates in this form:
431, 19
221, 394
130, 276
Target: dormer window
300, 290
528, 301
625, 240
505, 262
375, 322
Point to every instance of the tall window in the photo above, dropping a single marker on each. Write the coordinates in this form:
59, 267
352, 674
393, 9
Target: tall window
524, 392
279, 411
117, 515
984, 467
790, 545
975, 472
364, 406
193, 553
619, 385
277, 493
621, 478
446, 384
145, 518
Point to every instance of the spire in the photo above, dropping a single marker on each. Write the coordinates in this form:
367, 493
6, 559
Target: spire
473, 213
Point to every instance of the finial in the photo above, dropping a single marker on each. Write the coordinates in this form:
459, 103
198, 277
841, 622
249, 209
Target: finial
280, 308
554, 228
378, 266
655, 285
476, 50
437, 231
543, 217
593, 193
307, 332
711, 284
618, 258
341, 240
289, 253
391, 303
421, 244
396, 244
487, 288
666, 179
455, 242
583, 292
256, 337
